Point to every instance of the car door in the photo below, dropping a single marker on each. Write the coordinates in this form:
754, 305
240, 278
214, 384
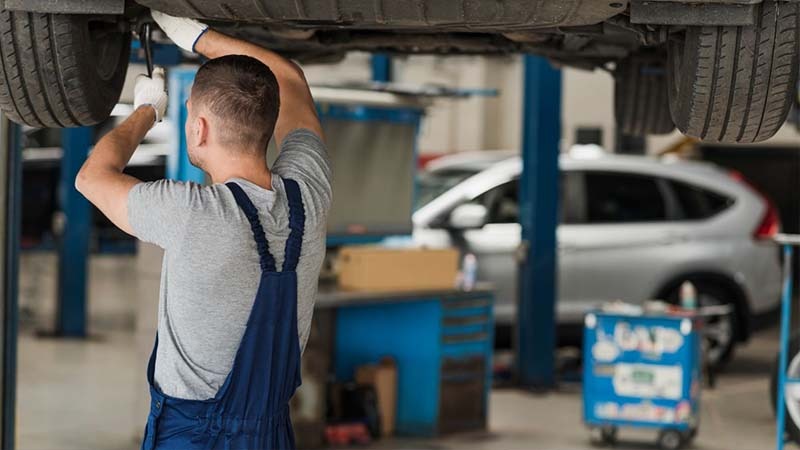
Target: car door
495, 246
612, 247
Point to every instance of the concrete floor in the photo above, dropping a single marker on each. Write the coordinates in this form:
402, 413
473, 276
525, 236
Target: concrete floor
87, 394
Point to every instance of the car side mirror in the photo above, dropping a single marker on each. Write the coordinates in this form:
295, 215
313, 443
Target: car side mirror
468, 216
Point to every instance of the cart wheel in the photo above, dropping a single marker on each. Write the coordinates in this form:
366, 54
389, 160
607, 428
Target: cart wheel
608, 435
604, 436
688, 436
670, 440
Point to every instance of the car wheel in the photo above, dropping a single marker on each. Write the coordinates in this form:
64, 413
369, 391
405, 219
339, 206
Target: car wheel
792, 394
735, 83
641, 106
60, 70
719, 332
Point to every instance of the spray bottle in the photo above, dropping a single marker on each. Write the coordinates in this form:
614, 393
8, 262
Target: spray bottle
469, 271
688, 296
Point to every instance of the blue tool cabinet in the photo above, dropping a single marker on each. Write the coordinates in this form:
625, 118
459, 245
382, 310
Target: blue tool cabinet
642, 371
442, 344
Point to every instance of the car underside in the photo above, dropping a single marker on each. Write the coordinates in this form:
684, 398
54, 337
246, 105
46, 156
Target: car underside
720, 70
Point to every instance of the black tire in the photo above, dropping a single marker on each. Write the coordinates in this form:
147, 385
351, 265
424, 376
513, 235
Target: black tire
792, 429
734, 84
641, 104
60, 70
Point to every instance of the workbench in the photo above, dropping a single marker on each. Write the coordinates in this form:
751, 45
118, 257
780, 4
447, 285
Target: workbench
441, 341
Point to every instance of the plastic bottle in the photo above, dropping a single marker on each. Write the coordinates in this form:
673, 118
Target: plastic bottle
469, 270
688, 296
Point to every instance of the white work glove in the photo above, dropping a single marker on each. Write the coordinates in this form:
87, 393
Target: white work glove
183, 32
152, 92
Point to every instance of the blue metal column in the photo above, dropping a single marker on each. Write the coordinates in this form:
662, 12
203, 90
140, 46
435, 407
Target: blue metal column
180, 88
541, 133
786, 320
381, 67
73, 249
12, 218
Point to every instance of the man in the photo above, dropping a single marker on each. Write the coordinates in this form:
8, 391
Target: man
242, 256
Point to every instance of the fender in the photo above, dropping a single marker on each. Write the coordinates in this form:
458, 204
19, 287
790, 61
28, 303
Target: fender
67, 6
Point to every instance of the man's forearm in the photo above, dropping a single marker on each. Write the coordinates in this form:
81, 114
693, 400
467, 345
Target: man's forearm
101, 179
115, 149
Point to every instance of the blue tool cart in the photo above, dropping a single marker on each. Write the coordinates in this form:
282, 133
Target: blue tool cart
442, 342
642, 371
786, 375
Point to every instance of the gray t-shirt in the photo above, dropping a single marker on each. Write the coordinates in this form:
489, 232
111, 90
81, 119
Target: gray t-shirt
211, 271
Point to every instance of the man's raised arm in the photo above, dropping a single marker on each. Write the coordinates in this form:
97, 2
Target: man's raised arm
101, 179
297, 108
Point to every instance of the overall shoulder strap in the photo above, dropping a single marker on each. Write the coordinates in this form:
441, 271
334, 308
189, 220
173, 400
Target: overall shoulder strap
250, 211
297, 222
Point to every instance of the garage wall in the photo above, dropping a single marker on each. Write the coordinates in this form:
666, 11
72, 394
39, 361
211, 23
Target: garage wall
484, 123
451, 124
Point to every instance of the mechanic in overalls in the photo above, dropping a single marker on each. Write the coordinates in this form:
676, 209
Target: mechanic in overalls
242, 255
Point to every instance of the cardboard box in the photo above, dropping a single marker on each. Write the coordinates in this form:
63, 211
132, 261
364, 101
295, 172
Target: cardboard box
383, 377
370, 268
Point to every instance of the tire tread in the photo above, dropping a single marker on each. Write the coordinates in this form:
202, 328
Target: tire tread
740, 89
48, 79
641, 100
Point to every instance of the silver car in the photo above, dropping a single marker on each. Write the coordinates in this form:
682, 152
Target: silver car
631, 228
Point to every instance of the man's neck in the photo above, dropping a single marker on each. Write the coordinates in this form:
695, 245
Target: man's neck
255, 172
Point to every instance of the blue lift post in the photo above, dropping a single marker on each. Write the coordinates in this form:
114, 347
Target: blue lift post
538, 193
381, 67
73, 249
13, 222
180, 87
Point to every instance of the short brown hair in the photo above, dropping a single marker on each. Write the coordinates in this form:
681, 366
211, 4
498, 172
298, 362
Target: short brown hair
242, 93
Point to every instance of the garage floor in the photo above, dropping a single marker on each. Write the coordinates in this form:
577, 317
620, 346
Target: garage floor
82, 394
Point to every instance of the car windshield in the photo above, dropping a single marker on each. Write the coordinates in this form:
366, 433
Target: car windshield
433, 184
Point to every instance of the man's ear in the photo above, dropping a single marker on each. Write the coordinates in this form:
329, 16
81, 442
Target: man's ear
202, 131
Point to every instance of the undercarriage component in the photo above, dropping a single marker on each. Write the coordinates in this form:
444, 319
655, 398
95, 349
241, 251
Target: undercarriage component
444, 15
66, 6
661, 12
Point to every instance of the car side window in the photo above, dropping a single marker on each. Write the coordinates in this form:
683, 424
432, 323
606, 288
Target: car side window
502, 203
572, 209
623, 198
696, 203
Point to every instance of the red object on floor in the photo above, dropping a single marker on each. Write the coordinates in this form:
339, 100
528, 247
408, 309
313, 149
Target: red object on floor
347, 434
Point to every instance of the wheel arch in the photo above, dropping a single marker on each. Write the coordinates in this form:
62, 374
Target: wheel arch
722, 280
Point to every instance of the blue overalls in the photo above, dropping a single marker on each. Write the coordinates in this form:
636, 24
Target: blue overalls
251, 409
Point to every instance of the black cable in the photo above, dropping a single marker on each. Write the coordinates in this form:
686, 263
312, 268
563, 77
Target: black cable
144, 39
